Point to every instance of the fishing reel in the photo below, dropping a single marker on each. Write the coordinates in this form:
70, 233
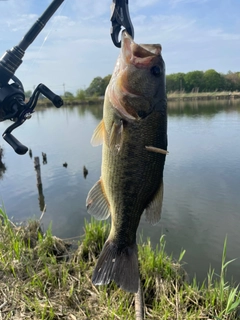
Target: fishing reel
13, 107
12, 98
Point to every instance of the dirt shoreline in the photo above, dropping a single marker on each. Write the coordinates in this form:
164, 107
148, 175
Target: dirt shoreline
171, 97
203, 96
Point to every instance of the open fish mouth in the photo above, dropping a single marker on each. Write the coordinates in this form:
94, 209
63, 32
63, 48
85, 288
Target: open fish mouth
139, 55
138, 74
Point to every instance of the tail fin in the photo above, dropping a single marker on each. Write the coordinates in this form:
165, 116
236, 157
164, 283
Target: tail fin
120, 265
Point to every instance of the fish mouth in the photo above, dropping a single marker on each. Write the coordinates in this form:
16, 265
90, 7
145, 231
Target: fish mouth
124, 92
140, 55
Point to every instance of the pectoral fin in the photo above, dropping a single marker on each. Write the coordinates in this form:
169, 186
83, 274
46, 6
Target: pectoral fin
113, 140
154, 209
116, 135
157, 150
97, 203
99, 134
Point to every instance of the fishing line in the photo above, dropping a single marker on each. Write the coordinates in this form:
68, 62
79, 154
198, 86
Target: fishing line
45, 39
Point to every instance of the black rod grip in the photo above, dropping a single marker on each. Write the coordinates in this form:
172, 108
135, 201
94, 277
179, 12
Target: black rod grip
14, 143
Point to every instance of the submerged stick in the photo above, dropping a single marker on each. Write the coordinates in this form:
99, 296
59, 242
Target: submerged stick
39, 184
43, 212
139, 304
38, 170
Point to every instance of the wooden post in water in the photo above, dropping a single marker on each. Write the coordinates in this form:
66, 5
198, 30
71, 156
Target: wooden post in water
39, 183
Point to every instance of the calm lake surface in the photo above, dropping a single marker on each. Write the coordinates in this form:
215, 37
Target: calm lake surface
201, 178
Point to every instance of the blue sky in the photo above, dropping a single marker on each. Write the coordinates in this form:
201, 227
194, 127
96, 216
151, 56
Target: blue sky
75, 46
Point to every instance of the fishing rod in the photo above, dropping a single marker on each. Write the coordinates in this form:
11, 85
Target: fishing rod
12, 98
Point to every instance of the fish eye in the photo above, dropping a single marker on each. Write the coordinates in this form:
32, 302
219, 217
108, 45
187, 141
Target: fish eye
156, 71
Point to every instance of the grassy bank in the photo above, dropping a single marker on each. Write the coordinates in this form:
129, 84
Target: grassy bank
223, 95
174, 96
73, 101
43, 277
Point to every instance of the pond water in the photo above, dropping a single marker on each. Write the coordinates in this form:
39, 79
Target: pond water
201, 178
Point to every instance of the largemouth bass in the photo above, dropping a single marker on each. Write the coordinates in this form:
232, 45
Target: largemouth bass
134, 137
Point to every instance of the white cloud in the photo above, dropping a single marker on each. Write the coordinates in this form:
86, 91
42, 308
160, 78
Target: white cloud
142, 4
86, 10
222, 35
75, 46
177, 2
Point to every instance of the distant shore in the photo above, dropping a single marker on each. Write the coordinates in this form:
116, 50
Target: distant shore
224, 95
175, 96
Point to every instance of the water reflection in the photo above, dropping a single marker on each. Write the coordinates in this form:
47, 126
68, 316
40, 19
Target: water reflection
44, 158
85, 172
198, 108
95, 109
201, 178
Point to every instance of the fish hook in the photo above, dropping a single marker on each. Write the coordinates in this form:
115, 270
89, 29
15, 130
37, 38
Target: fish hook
120, 18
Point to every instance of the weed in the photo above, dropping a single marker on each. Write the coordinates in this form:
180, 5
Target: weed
41, 277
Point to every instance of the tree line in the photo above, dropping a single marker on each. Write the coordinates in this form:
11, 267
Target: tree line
96, 89
194, 81
200, 81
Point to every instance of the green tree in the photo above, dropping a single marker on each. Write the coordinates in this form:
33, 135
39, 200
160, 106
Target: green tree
175, 82
28, 94
232, 81
213, 80
194, 81
68, 95
96, 87
106, 81
170, 83
81, 94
